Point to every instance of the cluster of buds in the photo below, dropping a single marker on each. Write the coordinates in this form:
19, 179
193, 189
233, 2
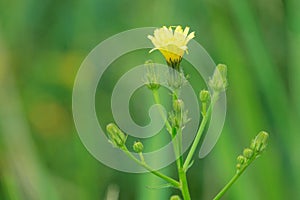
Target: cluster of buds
257, 147
218, 82
178, 117
178, 105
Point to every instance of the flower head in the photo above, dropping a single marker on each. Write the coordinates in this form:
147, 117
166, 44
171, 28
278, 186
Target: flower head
171, 43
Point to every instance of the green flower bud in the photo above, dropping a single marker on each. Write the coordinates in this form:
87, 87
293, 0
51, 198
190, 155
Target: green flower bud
223, 70
116, 136
248, 153
260, 142
238, 166
178, 105
241, 159
204, 96
175, 197
252, 145
138, 147
219, 79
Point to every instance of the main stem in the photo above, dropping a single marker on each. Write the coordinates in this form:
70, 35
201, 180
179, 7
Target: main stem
181, 172
184, 184
177, 149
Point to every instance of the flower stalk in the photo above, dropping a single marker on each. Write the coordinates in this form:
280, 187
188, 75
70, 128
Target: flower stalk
142, 163
200, 132
257, 147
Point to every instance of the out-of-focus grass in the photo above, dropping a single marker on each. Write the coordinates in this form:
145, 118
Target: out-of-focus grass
22, 173
248, 109
293, 61
45, 42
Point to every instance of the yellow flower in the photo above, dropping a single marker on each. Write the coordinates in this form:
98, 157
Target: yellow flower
171, 43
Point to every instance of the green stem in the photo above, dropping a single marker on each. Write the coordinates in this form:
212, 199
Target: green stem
227, 186
179, 162
199, 133
143, 164
184, 185
142, 157
233, 179
181, 172
178, 148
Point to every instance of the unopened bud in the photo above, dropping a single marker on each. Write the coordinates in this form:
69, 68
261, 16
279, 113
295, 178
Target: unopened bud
240, 159
248, 153
219, 79
204, 96
138, 147
178, 105
175, 197
116, 136
238, 166
260, 142
223, 70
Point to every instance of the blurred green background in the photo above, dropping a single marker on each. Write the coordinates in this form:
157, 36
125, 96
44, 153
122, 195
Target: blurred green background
42, 44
